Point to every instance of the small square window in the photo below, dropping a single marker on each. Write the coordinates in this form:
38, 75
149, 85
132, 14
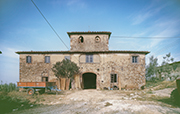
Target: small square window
113, 78
47, 59
44, 79
134, 59
89, 58
28, 59
67, 57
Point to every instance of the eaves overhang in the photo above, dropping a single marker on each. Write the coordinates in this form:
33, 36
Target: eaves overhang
89, 32
81, 52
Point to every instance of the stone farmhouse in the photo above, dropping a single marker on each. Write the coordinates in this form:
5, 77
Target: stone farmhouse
99, 67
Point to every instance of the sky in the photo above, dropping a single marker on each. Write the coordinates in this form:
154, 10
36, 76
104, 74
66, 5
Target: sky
137, 25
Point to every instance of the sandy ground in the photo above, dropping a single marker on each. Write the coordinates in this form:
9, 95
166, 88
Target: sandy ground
103, 102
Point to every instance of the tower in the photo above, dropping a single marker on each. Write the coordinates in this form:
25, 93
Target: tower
89, 41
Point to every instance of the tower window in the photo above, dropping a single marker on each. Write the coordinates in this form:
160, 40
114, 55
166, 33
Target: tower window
97, 39
81, 39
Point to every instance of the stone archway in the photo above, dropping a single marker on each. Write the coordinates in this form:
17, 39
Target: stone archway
89, 80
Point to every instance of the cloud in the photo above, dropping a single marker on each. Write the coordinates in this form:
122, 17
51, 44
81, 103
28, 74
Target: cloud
141, 17
146, 13
10, 53
72, 5
161, 28
176, 57
119, 43
76, 3
72, 2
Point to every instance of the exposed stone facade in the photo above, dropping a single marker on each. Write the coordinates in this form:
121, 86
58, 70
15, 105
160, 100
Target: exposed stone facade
105, 62
95, 42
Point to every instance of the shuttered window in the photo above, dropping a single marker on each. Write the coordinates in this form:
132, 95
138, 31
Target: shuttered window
28, 59
134, 59
47, 59
89, 58
113, 78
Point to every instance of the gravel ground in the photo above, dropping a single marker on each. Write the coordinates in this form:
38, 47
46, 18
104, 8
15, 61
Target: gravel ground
101, 102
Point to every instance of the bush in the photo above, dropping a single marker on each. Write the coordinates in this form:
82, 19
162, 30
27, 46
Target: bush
154, 79
11, 100
175, 97
153, 83
8, 87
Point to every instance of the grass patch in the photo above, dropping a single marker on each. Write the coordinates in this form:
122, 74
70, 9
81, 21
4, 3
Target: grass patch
149, 92
12, 100
153, 83
165, 100
8, 87
157, 85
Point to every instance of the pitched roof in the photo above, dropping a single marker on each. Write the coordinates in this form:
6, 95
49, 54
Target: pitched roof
89, 32
80, 52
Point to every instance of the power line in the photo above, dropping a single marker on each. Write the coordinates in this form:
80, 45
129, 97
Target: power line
52, 28
168, 46
143, 37
49, 24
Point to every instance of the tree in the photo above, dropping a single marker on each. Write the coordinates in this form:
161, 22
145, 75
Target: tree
166, 67
151, 67
65, 69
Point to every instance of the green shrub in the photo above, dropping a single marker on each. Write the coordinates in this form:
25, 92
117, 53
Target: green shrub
11, 100
8, 87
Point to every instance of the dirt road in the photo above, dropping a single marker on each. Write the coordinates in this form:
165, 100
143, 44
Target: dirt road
103, 102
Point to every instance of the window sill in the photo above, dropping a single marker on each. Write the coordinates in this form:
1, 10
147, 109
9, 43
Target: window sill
28, 63
135, 63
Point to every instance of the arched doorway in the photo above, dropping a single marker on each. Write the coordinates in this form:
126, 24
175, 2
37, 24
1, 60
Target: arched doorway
89, 80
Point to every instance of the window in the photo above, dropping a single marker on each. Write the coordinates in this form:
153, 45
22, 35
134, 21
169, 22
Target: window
113, 78
97, 39
47, 59
44, 79
67, 57
134, 59
28, 59
89, 58
81, 39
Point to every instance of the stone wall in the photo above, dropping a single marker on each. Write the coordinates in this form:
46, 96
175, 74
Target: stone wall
33, 72
89, 43
130, 75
